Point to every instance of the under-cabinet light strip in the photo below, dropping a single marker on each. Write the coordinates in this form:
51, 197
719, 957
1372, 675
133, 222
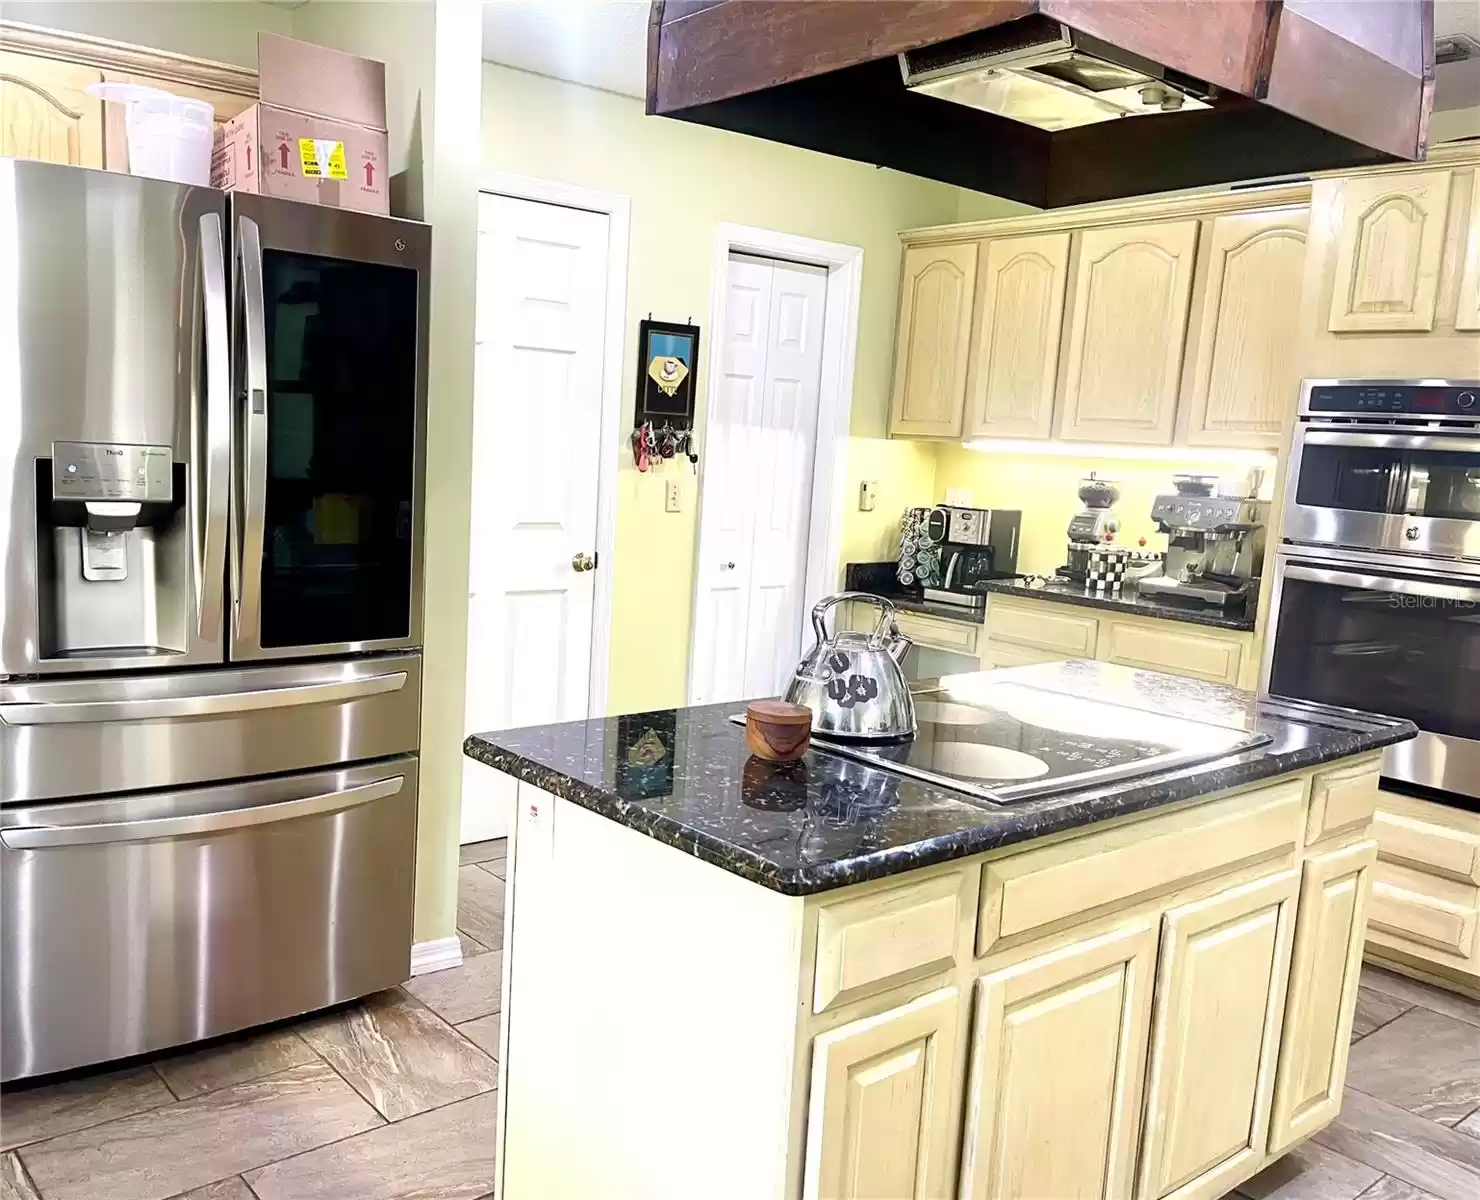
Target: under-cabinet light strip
1178, 454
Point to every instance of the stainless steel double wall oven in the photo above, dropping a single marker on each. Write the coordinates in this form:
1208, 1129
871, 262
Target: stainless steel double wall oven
1376, 600
212, 428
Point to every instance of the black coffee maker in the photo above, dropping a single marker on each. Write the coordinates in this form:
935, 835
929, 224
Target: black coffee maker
976, 544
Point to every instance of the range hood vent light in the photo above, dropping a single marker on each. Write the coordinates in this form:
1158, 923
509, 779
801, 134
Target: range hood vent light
1041, 72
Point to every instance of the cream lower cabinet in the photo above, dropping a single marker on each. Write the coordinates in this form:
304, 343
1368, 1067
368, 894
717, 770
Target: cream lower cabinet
1059, 1044
1020, 631
1220, 992
1425, 911
883, 1109
1324, 976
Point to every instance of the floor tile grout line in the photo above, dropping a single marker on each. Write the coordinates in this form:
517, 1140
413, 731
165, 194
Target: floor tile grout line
1429, 1153
385, 1124
446, 1023
96, 1124
173, 1103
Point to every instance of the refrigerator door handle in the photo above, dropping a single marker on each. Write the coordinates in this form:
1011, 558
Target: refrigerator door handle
164, 708
247, 572
212, 563
44, 837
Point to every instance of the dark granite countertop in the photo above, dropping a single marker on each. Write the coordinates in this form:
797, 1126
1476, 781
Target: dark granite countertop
1128, 602
878, 578
684, 777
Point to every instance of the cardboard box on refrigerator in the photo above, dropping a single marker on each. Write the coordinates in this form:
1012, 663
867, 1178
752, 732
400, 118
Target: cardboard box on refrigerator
317, 132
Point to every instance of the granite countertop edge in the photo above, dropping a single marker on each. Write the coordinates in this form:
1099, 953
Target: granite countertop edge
1135, 607
1100, 804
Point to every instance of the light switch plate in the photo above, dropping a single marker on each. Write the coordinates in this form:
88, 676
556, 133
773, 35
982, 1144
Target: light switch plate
868, 495
672, 497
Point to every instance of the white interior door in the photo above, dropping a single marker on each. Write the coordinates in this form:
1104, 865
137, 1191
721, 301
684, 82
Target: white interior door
541, 333
756, 503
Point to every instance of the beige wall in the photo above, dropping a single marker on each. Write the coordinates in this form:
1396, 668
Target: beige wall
225, 30
684, 180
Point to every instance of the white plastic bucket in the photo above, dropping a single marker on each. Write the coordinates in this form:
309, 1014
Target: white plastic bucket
169, 137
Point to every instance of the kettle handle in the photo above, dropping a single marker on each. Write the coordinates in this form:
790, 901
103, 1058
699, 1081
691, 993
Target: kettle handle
887, 625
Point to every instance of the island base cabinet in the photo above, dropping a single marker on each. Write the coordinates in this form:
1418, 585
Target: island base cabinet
1220, 1003
1324, 975
1058, 1060
884, 1105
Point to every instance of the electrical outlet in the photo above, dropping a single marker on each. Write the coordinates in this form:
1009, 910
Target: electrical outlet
868, 495
672, 497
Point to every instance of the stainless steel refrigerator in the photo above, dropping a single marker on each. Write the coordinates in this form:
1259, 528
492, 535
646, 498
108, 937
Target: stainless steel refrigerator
212, 430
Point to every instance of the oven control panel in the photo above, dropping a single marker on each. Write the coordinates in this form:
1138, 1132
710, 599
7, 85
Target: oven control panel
1396, 399
112, 471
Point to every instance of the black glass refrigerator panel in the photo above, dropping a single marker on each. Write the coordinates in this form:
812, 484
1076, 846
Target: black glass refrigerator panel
1393, 480
1402, 654
341, 432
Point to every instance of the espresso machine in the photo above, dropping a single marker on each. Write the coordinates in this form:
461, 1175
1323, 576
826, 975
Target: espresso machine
1215, 546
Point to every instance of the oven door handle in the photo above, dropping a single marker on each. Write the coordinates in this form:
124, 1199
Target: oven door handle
1375, 437
45, 837
1398, 585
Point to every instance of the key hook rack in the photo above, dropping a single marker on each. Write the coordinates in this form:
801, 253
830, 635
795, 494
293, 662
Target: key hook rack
663, 414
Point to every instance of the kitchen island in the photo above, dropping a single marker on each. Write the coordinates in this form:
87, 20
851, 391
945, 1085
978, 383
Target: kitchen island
731, 978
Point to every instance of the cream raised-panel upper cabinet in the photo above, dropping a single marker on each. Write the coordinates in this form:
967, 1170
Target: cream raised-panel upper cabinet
937, 286
1467, 314
1220, 1003
1388, 251
46, 113
1129, 294
1324, 975
884, 1105
1015, 352
1240, 379
1058, 1057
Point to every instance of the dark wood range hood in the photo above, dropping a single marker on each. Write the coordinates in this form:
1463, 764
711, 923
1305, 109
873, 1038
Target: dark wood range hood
1271, 88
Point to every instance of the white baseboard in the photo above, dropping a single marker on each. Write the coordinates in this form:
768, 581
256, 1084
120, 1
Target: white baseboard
437, 955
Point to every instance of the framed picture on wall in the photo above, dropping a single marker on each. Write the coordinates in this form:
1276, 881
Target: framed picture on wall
667, 366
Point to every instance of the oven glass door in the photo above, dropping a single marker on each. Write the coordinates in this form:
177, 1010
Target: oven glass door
1387, 491
1396, 643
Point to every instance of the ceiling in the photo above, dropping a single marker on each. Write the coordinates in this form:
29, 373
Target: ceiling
603, 43
600, 43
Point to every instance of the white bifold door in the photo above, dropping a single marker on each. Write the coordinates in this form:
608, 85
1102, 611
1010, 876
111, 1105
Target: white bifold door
541, 340
756, 502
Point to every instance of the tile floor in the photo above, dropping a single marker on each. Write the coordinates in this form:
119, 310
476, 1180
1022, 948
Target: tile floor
387, 1099
394, 1098
1409, 1127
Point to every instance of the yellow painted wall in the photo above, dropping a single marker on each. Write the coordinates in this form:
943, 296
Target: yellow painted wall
1044, 487
684, 180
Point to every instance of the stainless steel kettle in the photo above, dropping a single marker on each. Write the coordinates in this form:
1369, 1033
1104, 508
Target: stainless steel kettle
854, 682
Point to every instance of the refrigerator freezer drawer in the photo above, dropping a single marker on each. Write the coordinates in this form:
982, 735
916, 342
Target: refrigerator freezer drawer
128, 924
66, 738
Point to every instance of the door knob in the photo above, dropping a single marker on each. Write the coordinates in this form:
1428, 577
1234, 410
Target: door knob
583, 562
727, 566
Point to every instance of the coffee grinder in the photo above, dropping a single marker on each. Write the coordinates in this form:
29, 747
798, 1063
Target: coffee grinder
1092, 526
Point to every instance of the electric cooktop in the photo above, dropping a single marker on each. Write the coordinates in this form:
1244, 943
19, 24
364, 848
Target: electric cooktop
1007, 742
